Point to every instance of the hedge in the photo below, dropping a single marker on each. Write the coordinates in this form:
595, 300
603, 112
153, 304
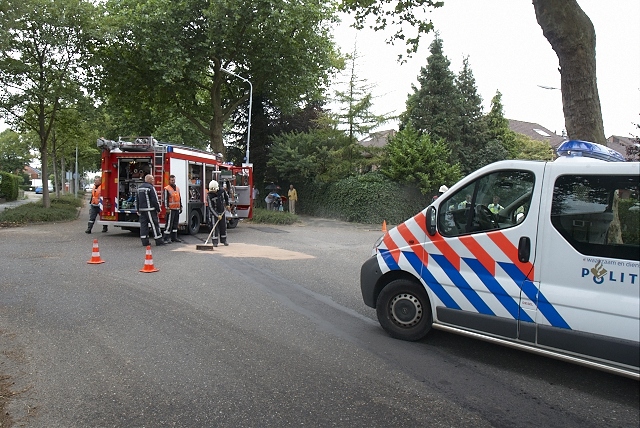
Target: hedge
370, 198
9, 186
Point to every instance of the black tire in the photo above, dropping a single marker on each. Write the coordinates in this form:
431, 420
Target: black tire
404, 310
195, 219
232, 223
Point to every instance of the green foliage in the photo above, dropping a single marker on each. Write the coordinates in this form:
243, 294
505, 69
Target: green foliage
9, 185
435, 106
395, 13
64, 208
44, 46
14, 152
498, 127
164, 58
355, 103
369, 198
261, 215
325, 155
416, 159
630, 218
531, 149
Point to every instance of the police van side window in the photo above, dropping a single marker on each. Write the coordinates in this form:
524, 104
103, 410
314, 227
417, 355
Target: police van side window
598, 215
495, 201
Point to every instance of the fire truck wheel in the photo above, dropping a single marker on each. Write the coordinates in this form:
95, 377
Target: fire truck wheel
232, 223
404, 310
194, 222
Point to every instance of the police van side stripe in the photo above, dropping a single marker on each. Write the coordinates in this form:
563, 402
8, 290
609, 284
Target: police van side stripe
497, 290
480, 253
535, 295
433, 284
511, 251
462, 285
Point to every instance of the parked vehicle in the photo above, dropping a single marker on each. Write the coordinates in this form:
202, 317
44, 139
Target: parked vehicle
125, 163
539, 256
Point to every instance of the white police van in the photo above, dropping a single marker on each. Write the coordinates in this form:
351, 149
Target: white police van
539, 256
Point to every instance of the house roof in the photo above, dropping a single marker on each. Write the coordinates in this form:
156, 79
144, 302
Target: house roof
620, 144
536, 132
378, 139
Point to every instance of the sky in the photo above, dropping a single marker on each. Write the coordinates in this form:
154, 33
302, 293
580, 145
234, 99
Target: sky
508, 52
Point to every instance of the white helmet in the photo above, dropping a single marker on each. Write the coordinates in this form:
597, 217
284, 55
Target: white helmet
443, 189
214, 186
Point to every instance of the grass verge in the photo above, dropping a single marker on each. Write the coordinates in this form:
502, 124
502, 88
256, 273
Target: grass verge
64, 208
261, 215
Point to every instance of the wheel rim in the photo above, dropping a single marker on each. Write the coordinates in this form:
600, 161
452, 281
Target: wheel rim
406, 310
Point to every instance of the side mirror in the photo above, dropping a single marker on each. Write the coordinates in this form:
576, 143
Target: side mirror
431, 221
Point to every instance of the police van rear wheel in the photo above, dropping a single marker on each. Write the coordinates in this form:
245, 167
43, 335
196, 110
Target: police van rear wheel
404, 311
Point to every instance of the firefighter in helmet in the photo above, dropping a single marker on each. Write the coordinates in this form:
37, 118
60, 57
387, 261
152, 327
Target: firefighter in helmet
148, 209
95, 204
215, 213
173, 206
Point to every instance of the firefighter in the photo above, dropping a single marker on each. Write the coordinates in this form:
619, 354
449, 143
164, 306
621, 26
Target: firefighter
173, 206
95, 205
148, 209
215, 212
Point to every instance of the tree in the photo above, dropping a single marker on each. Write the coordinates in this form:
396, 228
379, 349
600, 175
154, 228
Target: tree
169, 57
355, 103
418, 159
573, 38
394, 12
564, 24
498, 128
14, 152
321, 155
434, 107
473, 127
43, 46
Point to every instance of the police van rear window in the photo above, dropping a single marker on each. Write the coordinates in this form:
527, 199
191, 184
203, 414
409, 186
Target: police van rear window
598, 215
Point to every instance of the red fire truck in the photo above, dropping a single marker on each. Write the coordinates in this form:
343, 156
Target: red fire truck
125, 163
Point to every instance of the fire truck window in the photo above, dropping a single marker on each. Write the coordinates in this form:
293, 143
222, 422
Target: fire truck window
598, 215
495, 201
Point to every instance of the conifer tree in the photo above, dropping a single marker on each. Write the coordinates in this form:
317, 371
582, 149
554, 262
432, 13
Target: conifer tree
473, 131
434, 107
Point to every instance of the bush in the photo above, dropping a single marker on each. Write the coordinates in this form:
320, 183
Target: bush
261, 215
9, 186
369, 198
62, 209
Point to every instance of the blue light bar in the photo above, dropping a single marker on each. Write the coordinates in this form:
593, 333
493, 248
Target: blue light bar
577, 148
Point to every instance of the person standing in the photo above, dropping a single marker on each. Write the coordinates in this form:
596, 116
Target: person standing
173, 208
255, 195
495, 207
95, 204
441, 191
215, 202
148, 209
293, 197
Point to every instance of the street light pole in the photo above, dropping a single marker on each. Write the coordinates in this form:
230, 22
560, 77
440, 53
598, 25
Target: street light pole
250, 103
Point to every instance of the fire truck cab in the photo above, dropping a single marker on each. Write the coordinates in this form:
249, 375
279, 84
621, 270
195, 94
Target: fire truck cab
126, 162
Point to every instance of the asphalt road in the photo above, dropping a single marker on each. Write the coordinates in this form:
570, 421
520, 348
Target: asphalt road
268, 332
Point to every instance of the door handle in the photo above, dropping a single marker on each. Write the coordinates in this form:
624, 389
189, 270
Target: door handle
524, 249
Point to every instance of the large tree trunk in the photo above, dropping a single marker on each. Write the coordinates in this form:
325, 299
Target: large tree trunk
572, 36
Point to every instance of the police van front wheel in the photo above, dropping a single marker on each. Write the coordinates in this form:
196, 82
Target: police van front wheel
403, 310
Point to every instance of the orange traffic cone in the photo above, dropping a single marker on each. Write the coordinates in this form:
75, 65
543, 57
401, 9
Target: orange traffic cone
384, 226
148, 262
95, 254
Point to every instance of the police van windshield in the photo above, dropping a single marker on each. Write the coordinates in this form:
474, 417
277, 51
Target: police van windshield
495, 201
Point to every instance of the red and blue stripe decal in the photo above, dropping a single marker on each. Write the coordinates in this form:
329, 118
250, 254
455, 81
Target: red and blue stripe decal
482, 264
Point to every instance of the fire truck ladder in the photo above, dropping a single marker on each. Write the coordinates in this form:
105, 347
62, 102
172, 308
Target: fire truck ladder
159, 151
